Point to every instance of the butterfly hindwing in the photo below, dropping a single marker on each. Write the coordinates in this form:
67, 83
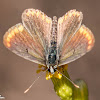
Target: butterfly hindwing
82, 42
18, 40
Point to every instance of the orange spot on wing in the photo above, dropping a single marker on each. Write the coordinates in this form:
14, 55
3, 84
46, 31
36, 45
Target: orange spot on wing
89, 47
84, 32
12, 33
15, 30
8, 45
90, 42
89, 37
81, 30
20, 28
8, 39
10, 36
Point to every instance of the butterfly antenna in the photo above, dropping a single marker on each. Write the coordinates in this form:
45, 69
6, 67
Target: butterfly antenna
32, 83
69, 80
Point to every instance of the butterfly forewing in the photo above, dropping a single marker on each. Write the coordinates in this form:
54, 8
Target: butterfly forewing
67, 27
39, 26
82, 42
18, 40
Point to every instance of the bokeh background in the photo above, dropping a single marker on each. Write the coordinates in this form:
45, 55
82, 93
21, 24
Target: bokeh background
16, 73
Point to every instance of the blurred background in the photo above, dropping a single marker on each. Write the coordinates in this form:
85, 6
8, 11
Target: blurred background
16, 73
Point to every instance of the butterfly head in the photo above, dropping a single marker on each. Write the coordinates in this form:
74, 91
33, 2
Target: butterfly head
52, 69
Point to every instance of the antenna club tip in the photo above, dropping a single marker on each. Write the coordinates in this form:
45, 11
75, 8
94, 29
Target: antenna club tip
26, 91
76, 86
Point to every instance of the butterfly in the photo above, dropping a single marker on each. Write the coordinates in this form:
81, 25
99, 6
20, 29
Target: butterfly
51, 43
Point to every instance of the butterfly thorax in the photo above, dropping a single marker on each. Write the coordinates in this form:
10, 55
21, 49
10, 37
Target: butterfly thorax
52, 61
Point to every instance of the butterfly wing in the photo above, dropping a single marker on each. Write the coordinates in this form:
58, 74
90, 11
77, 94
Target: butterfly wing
67, 26
38, 25
30, 40
76, 40
18, 40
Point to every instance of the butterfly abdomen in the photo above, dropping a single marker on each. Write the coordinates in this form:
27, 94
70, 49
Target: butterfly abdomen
52, 50
52, 56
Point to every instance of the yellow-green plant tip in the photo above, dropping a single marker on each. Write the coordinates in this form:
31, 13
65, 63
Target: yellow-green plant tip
62, 86
66, 90
80, 93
